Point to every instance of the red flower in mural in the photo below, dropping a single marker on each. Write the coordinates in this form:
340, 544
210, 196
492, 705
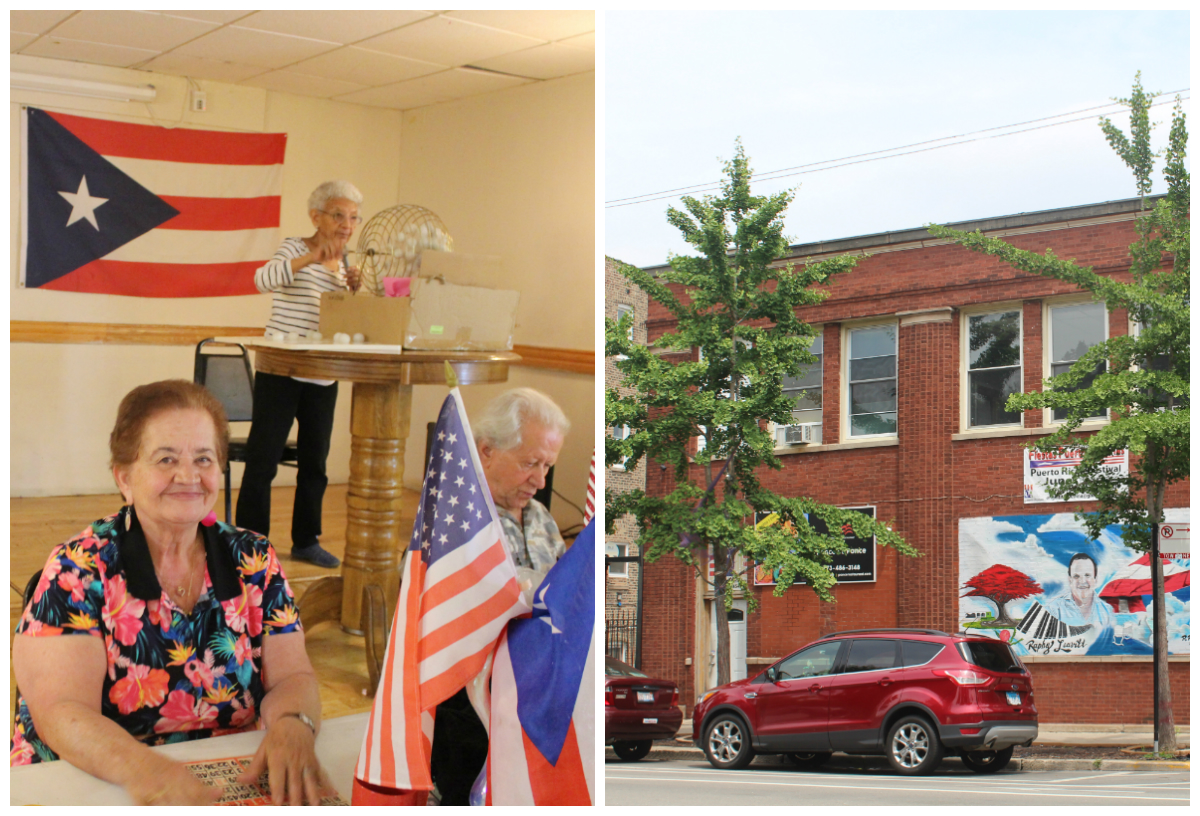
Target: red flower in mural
141, 687
1000, 584
183, 712
122, 612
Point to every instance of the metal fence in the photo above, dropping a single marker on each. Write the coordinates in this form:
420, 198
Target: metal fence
620, 635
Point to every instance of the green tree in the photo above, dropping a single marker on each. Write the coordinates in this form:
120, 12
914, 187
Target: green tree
739, 312
1141, 380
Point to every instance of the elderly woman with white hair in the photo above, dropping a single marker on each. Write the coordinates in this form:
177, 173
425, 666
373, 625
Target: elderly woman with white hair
519, 436
299, 272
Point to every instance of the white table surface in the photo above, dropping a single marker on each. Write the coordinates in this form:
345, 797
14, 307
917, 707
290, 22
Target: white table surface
60, 783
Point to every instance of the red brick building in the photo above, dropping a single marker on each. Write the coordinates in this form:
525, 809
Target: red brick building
926, 443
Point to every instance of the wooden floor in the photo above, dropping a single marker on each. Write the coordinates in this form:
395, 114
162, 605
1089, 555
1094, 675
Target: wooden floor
340, 661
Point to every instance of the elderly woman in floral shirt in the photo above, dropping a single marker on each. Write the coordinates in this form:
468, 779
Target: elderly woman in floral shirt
188, 626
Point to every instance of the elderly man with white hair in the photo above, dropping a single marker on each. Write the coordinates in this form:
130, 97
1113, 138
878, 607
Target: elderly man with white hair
519, 435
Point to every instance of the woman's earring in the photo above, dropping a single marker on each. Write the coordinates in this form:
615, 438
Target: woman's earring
129, 518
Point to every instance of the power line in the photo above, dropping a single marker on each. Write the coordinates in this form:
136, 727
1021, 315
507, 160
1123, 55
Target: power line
862, 158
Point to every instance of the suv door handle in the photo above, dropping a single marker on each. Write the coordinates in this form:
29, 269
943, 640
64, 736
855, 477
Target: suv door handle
885, 681
815, 687
750, 695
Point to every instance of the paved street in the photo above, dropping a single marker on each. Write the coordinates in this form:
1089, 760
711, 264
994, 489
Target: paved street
685, 782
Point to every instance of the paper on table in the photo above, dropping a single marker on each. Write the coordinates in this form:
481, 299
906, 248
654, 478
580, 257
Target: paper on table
224, 773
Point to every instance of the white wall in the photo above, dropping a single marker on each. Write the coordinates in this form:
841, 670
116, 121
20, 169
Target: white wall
510, 173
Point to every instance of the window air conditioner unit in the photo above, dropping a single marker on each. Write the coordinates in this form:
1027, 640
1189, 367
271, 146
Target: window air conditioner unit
798, 434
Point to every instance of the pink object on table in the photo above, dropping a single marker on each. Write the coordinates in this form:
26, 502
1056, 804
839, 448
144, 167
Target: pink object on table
397, 287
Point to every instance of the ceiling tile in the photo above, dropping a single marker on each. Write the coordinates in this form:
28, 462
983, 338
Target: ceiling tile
365, 67
339, 26
584, 42
545, 25
236, 44
448, 41
302, 85
17, 41
36, 22
135, 29
453, 84
543, 62
200, 68
94, 53
220, 16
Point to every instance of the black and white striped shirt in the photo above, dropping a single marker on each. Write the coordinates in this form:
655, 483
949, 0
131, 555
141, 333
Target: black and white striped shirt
296, 306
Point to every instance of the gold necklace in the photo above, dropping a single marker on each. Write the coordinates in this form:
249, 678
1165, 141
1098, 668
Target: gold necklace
179, 590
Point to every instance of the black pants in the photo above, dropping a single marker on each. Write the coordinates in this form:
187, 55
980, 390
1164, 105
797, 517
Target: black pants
460, 747
277, 402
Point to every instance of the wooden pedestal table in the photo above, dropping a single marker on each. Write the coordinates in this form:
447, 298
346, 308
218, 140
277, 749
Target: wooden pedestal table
381, 406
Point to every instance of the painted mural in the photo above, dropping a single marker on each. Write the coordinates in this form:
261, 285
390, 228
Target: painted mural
1041, 584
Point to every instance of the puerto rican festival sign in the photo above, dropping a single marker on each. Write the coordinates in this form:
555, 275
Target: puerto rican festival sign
1042, 585
1043, 469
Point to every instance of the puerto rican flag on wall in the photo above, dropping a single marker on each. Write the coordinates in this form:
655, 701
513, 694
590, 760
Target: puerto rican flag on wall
127, 209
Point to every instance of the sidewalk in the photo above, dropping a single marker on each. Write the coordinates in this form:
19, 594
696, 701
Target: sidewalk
1048, 734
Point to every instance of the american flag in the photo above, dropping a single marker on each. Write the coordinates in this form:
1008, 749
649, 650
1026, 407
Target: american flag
543, 719
590, 506
128, 209
459, 590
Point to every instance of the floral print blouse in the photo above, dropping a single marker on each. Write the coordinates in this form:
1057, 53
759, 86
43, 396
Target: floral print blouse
171, 676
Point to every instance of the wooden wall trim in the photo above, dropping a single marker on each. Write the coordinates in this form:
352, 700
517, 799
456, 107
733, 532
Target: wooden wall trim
575, 361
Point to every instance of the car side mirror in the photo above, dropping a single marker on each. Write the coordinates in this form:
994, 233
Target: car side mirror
772, 674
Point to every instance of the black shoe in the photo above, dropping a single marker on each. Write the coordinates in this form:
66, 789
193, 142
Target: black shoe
315, 555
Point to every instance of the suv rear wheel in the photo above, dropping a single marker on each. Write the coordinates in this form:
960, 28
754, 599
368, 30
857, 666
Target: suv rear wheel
727, 742
987, 761
809, 760
913, 747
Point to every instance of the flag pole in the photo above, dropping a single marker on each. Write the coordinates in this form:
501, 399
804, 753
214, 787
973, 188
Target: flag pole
451, 377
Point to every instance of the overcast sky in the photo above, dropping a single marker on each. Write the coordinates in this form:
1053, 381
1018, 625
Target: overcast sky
805, 87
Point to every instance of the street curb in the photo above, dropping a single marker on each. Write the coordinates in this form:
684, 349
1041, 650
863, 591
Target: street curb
1026, 764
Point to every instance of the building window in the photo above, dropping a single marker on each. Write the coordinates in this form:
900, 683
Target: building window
1074, 329
620, 432
871, 381
621, 568
622, 310
805, 390
993, 367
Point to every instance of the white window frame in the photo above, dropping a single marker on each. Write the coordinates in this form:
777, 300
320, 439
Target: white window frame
964, 355
844, 380
622, 551
1048, 306
632, 311
624, 431
774, 428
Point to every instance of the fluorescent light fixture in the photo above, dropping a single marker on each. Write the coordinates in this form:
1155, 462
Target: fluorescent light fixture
81, 87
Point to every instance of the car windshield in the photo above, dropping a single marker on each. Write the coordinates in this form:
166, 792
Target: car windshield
615, 668
989, 654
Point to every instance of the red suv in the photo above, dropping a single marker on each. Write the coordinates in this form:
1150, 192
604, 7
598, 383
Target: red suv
909, 694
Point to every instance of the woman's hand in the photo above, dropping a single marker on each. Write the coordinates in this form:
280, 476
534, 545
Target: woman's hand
353, 278
288, 756
327, 250
169, 783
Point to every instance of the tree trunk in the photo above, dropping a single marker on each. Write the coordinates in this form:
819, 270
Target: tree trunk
719, 580
1002, 618
1164, 713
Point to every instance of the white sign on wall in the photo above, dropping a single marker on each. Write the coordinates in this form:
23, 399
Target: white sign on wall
1175, 540
1043, 469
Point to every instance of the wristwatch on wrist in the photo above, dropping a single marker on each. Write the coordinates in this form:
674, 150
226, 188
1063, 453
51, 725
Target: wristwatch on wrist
302, 717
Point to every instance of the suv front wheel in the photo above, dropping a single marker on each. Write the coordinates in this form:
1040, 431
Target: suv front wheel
913, 747
727, 742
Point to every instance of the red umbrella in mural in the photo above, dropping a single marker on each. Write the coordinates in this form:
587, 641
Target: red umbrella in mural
1124, 592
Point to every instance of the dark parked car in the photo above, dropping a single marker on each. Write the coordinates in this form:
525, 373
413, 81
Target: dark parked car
908, 694
638, 709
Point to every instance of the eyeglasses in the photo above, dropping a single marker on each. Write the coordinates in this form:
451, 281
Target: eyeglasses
342, 218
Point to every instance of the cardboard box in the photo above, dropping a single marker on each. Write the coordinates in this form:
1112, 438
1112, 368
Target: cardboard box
441, 314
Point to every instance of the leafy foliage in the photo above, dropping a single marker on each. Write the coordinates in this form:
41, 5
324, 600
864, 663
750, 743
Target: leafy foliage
739, 312
1140, 380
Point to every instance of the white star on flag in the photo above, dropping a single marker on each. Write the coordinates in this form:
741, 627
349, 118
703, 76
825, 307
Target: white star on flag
83, 204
